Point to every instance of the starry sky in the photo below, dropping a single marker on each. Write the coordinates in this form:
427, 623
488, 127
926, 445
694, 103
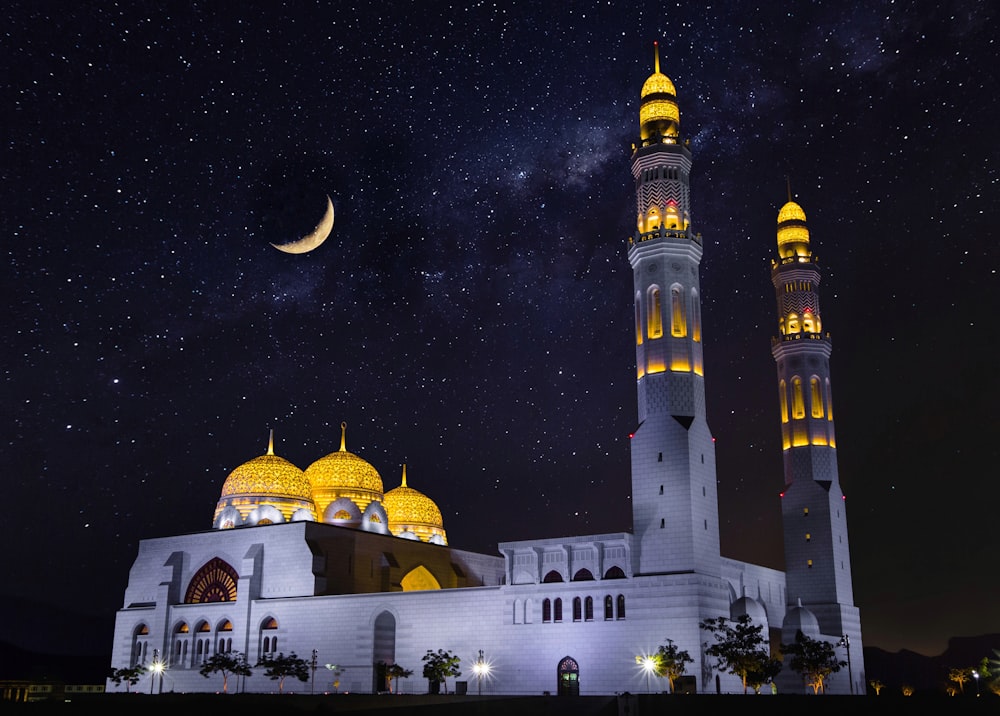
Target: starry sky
470, 313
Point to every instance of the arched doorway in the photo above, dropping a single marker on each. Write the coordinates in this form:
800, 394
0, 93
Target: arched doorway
569, 677
383, 651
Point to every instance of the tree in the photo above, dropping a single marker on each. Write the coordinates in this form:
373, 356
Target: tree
395, 672
130, 676
814, 659
232, 662
877, 685
277, 668
763, 673
961, 676
668, 661
740, 649
439, 665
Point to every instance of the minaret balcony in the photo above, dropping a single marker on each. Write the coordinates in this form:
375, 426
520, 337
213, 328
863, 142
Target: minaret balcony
811, 259
663, 233
775, 340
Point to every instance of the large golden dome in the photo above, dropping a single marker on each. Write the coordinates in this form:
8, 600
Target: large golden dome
266, 480
343, 474
412, 512
268, 475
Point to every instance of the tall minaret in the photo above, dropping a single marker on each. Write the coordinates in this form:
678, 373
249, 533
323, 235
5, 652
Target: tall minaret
814, 514
674, 499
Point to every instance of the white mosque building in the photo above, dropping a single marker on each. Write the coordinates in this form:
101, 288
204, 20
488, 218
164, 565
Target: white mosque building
325, 562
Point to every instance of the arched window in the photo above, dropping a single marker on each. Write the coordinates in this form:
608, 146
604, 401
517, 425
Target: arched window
517, 611
583, 575
609, 608
793, 323
621, 606
546, 610
815, 397
654, 328
695, 316
577, 609
638, 320
557, 610
552, 577
614, 573
678, 319
269, 641
798, 401
783, 400
588, 609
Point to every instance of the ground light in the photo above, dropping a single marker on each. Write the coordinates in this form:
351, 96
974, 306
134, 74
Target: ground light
648, 665
481, 668
156, 669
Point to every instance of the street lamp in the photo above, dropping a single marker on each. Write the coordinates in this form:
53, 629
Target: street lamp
975, 675
156, 668
845, 641
312, 664
481, 669
649, 666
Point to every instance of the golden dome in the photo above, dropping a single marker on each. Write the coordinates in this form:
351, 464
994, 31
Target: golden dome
410, 510
789, 211
268, 475
658, 83
344, 470
343, 474
264, 490
793, 234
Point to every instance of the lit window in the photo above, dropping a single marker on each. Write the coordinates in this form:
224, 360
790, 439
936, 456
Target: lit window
655, 327
815, 398
678, 321
798, 403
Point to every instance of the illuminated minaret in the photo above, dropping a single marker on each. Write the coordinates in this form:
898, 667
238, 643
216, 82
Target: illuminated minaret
674, 500
817, 558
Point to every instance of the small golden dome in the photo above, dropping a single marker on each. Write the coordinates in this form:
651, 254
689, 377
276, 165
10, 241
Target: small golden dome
789, 211
268, 476
343, 470
658, 83
410, 510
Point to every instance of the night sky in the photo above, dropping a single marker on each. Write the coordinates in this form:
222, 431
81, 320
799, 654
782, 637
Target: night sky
470, 314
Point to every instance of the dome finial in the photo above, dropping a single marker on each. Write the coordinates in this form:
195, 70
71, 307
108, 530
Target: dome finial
404, 474
656, 57
788, 184
343, 437
270, 443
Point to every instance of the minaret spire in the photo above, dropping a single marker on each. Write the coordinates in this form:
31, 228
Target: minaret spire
343, 437
270, 443
656, 57
404, 475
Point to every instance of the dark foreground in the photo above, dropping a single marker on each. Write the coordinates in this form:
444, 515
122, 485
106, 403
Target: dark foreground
453, 705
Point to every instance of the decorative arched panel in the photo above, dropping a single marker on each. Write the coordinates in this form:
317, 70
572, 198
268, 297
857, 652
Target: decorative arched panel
419, 579
214, 582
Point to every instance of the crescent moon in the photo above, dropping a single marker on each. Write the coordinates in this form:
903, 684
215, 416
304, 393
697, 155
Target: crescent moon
310, 241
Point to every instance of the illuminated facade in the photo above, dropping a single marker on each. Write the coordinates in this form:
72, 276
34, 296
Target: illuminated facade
323, 561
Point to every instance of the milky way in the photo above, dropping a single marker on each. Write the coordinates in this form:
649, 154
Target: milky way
470, 314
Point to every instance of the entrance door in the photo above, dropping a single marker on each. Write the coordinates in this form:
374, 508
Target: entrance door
384, 651
569, 677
